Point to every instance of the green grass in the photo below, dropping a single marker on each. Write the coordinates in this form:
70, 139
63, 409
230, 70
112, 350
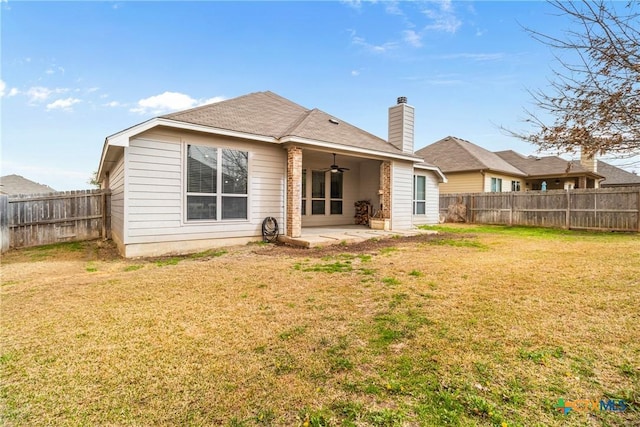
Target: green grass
423, 334
168, 261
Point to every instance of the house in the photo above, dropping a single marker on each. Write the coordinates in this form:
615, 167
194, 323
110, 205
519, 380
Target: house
209, 176
470, 168
556, 172
16, 184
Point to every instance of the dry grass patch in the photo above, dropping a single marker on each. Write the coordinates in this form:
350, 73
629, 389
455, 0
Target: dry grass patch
484, 327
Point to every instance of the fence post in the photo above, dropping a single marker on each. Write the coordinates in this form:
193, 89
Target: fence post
567, 220
473, 212
103, 207
638, 227
511, 199
5, 240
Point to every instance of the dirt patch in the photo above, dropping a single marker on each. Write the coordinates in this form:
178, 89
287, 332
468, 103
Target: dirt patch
367, 246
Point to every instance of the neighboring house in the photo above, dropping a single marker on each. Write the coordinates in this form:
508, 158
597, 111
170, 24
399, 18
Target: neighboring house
470, 168
209, 176
556, 172
616, 177
16, 184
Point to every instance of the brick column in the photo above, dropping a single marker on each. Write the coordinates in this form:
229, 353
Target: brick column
294, 192
385, 186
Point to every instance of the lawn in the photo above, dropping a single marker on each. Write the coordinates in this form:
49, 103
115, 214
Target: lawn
486, 326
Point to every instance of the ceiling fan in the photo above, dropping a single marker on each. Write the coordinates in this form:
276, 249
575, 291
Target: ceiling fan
334, 168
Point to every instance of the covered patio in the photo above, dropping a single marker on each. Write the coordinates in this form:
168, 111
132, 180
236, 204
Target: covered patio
332, 235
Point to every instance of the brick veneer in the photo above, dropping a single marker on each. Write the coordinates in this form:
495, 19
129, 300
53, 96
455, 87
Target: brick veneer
294, 192
385, 186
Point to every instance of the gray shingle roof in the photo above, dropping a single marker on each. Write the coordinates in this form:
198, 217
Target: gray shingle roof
543, 166
268, 114
616, 176
453, 154
16, 184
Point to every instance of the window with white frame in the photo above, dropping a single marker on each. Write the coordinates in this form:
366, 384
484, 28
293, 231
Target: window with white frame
216, 183
419, 195
515, 185
496, 185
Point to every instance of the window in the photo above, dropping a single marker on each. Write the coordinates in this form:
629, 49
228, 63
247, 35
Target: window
336, 194
496, 185
304, 192
419, 195
319, 188
515, 185
216, 183
318, 192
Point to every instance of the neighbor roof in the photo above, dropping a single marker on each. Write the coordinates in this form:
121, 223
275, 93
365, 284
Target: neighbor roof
544, 166
616, 176
453, 154
269, 114
16, 184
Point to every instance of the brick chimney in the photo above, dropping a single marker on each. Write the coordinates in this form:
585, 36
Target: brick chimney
401, 125
589, 162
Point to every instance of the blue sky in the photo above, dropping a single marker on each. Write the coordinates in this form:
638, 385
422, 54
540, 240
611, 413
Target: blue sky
73, 73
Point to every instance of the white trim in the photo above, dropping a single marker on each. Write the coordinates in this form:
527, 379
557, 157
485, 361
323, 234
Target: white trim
122, 138
431, 168
347, 148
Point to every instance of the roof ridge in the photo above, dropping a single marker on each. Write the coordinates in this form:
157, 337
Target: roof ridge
296, 123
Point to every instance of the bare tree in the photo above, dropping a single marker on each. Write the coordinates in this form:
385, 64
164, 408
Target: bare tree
594, 97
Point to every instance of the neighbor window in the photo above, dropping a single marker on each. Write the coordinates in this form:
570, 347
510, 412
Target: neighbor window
515, 185
216, 183
496, 185
419, 195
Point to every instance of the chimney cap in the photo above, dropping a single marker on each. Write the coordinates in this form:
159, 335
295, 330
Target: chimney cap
402, 100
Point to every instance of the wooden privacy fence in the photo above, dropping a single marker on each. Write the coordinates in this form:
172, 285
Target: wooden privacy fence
40, 219
615, 209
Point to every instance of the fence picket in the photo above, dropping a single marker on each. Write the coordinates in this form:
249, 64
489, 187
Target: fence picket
616, 209
40, 219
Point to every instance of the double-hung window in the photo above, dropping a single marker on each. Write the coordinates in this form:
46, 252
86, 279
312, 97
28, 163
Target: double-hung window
496, 185
515, 185
419, 195
216, 183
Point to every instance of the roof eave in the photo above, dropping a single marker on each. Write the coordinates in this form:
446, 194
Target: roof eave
435, 169
347, 148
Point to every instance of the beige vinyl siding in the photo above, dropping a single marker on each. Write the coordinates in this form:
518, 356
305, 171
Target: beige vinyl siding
506, 181
401, 124
349, 193
116, 185
463, 182
401, 195
156, 190
432, 199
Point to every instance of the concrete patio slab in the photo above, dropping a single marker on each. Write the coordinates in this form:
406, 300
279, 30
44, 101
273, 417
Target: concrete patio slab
344, 234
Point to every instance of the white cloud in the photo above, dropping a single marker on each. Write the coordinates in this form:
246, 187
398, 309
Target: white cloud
373, 48
355, 73
3, 86
13, 92
213, 100
38, 94
63, 104
170, 101
112, 104
412, 38
443, 17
